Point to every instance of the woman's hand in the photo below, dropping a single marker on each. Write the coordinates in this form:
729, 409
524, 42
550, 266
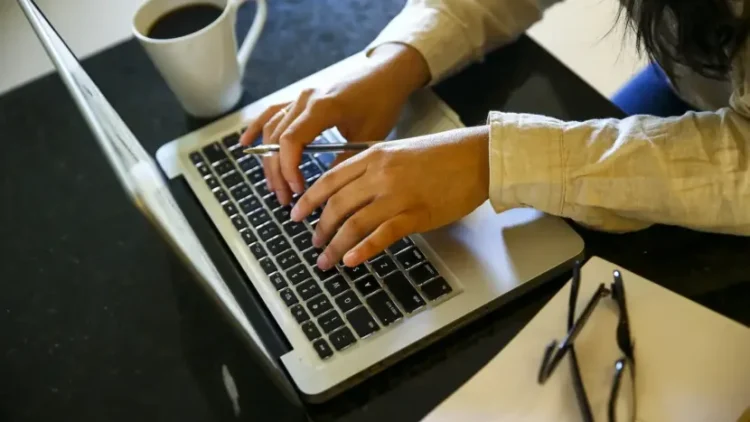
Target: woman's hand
394, 189
364, 107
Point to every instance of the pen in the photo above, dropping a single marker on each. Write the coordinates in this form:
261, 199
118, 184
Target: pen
337, 147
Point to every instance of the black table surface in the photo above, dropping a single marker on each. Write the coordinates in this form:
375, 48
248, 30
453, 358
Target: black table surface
91, 320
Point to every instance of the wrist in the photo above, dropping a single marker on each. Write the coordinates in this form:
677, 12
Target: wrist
402, 64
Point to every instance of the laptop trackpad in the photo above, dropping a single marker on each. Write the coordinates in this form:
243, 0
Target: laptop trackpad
502, 251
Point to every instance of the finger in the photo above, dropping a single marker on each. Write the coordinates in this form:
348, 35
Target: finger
326, 186
343, 203
384, 236
357, 227
290, 153
340, 158
320, 114
256, 126
271, 162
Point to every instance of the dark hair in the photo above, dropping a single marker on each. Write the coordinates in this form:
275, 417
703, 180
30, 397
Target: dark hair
704, 35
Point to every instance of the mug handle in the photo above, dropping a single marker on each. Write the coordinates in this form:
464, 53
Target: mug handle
247, 46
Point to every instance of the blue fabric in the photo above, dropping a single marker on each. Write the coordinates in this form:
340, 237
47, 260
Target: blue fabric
649, 92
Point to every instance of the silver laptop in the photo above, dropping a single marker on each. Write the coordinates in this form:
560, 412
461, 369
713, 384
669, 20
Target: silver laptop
343, 325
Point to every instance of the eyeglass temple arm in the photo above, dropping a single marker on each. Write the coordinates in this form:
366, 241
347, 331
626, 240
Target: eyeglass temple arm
554, 353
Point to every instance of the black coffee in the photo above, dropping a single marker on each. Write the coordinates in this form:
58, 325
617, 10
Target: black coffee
184, 21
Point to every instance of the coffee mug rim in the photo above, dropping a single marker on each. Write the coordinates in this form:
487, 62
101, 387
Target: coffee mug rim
199, 32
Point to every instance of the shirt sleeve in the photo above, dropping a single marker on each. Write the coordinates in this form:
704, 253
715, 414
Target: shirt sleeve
451, 34
624, 175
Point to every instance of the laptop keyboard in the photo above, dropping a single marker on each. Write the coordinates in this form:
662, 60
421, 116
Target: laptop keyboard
336, 308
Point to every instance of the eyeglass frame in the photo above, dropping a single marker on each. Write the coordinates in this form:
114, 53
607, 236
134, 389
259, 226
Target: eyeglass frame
554, 352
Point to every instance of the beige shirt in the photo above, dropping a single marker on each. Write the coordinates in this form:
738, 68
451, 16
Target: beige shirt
610, 174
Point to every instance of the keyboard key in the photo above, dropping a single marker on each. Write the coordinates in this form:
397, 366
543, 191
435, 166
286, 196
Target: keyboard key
288, 259
238, 154
229, 209
362, 322
223, 167
249, 164
239, 222
203, 170
278, 245
262, 189
272, 202
400, 245
256, 176
310, 170
336, 285
376, 257
268, 231
330, 321
248, 237
250, 204
214, 152
306, 158
259, 218
384, 308
423, 273
367, 285
384, 266
231, 140
347, 301
319, 305
314, 216
211, 182
221, 196
299, 313
241, 192
298, 274
257, 250
410, 258
356, 272
308, 289
311, 256
268, 265
311, 331
406, 295
303, 241
287, 295
323, 349
232, 179
282, 214
325, 275
196, 157
436, 288
278, 281
342, 338
293, 228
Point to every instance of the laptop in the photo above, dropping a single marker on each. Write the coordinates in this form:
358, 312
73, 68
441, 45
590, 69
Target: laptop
341, 326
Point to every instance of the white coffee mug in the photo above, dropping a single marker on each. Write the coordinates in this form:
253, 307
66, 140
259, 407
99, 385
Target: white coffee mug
203, 69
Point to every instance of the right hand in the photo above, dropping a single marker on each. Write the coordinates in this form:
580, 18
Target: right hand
364, 107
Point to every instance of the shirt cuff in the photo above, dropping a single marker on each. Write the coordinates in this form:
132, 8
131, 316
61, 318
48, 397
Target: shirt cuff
527, 166
433, 33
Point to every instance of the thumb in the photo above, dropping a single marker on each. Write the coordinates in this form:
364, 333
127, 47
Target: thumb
341, 158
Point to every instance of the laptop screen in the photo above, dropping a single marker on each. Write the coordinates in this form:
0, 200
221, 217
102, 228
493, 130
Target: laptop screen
138, 173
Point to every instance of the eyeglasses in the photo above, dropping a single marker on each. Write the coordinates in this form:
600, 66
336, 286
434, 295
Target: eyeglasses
555, 352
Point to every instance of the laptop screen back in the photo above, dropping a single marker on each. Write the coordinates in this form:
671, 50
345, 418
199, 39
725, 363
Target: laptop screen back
140, 177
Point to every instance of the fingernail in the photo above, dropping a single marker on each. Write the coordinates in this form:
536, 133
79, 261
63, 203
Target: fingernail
297, 187
349, 258
324, 263
295, 214
316, 240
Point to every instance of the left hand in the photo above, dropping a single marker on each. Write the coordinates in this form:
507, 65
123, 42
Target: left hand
395, 189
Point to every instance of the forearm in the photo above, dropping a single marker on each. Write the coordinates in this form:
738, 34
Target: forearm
623, 175
406, 64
